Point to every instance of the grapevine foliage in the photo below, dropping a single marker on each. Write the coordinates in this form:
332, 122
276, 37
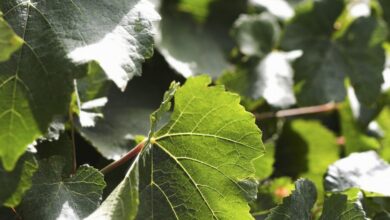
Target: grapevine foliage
194, 109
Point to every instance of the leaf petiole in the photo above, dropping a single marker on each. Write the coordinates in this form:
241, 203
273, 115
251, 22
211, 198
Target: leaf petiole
131, 154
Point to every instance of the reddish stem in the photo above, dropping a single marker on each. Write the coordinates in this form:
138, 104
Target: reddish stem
297, 111
131, 154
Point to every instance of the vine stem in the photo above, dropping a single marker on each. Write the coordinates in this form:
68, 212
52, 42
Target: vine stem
297, 111
131, 154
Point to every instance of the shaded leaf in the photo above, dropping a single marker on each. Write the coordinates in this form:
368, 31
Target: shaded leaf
256, 35
55, 196
298, 205
306, 149
14, 184
56, 34
123, 202
386, 11
339, 207
184, 42
270, 78
327, 60
349, 172
62, 147
35, 83
126, 115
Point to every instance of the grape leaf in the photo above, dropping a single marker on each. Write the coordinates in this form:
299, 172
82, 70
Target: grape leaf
9, 41
184, 42
126, 115
298, 205
127, 190
83, 31
339, 207
87, 31
270, 78
54, 196
305, 149
264, 164
34, 83
256, 35
327, 59
14, 184
386, 12
349, 172
190, 151
61, 147
123, 202
356, 137
186, 159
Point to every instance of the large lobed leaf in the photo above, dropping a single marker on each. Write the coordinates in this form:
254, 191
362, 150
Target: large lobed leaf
199, 165
327, 59
55, 196
35, 84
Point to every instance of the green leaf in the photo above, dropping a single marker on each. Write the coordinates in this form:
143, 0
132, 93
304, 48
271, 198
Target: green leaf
198, 8
127, 191
14, 184
55, 196
271, 194
270, 78
185, 173
123, 202
9, 41
35, 84
327, 60
298, 205
126, 115
365, 171
356, 138
87, 31
264, 164
386, 11
62, 147
192, 48
306, 149
383, 120
339, 207
256, 35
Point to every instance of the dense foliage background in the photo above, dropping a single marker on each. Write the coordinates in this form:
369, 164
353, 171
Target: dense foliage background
84, 82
